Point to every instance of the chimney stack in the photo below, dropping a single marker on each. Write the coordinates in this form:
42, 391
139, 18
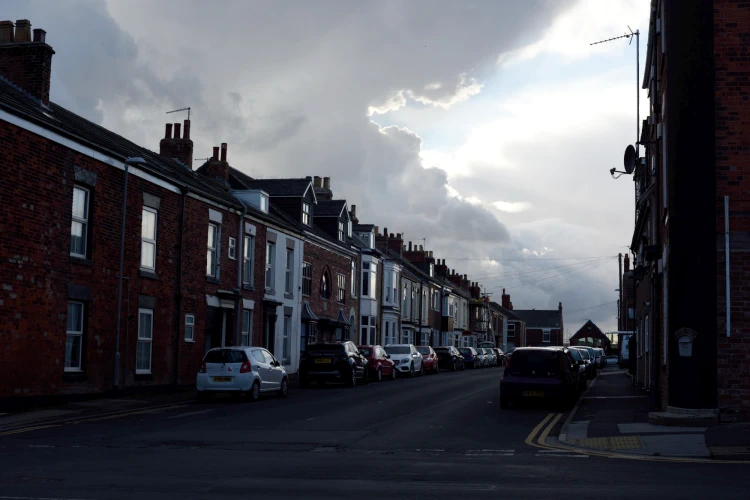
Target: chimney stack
217, 167
385, 231
25, 62
317, 181
224, 151
354, 210
174, 146
215, 156
327, 183
627, 262
410, 246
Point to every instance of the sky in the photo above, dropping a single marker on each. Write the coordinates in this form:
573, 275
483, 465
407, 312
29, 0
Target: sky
483, 130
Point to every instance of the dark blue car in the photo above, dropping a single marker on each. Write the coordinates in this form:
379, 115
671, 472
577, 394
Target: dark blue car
540, 373
470, 357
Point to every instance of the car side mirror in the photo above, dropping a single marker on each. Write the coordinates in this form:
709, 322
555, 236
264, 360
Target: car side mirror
388, 356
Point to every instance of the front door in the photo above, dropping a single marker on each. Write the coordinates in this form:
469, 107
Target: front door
269, 331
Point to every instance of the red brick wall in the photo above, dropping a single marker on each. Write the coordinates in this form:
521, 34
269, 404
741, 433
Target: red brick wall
534, 337
323, 259
731, 23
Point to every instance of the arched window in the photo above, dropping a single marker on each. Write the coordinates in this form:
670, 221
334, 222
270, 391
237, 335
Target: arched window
325, 285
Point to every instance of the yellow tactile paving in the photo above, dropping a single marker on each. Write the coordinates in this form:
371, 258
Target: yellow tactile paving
612, 443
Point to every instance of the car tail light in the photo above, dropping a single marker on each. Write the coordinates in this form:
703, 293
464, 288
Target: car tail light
202, 369
246, 368
507, 363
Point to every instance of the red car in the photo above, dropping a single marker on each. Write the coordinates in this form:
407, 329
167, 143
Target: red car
378, 362
429, 359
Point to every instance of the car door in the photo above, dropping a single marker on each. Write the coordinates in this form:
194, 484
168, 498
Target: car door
275, 372
387, 361
262, 367
418, 360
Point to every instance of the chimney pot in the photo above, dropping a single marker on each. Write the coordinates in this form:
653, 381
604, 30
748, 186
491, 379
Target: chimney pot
327, 183
6, 32
317, 181
186, 129
40, 35
23, 30
398, 236
168, 131
393, 236
354, 210
223, 151
177, 130
410, 246
385, 232
216, 153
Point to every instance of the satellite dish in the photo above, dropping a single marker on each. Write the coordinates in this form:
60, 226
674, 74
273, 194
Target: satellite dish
629, 159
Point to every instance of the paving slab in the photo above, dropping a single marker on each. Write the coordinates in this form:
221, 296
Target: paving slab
646, 428
676, 445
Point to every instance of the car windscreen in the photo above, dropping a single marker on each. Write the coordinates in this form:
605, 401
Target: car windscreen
366, 351
442, 351
423, 350
576, 355
535, 363
397, 349
225, 356
465, 350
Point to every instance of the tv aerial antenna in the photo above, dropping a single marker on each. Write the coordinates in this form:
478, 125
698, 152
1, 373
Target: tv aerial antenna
181, 109
637, 35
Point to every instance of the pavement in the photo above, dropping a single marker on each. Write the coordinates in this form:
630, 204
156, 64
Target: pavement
432, 436
613, 416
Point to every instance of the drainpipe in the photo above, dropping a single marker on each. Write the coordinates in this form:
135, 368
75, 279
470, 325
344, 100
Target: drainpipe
185, 190
726, 265
240, 257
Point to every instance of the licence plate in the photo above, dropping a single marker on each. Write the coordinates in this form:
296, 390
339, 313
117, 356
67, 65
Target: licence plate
533, 394
323, 360
222, 379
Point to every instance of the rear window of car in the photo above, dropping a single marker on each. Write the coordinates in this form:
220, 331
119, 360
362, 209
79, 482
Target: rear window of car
576, 355
366, 351
225, 356
325, 347
541, 363
465, 350
423, 350
398, 349
442, 350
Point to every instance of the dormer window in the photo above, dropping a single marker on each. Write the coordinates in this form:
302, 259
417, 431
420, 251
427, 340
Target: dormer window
305, 213
341, 231
264, 203
349, 228
432, 270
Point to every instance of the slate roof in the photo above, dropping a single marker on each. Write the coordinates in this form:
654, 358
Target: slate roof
539, 318
363, 228
82, 131
330, 208
279, 187
589, 329
505, 312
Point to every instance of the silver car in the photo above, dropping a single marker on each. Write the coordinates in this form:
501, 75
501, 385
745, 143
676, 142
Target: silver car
241, 370
491, 356
481, 358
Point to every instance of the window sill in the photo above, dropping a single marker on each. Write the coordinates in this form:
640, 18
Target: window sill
211, 279
188, 341
270, 291
288, 295
74, 376
143, 377
145, 273
248, 287
81, 260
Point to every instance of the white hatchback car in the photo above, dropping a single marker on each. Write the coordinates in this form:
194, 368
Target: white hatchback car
242, 370
406, 358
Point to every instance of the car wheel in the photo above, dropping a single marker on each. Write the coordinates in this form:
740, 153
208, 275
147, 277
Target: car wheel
353, 380
379, 375
421, 370
284, 389
393, 373
436, 369
411, 370
453, 368
365, 376
254, 392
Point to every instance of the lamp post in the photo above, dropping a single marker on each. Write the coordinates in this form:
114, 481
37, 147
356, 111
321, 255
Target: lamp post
137, 160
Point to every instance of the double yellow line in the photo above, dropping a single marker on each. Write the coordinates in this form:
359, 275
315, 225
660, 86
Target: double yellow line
547, 424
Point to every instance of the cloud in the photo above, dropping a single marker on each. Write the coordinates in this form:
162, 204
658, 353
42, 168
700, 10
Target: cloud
512, 206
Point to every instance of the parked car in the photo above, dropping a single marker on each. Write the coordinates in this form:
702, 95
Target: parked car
333, 362
406, 358
241, 370
490, 355
588, 361
602, 357
471, 359
612, 360
450, 359
500, 356
592, 354
429, 359
597, 357
481, 357
539, 373
379, 363
582, 368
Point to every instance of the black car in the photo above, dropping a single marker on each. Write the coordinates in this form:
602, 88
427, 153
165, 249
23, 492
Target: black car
450, 359
539, 373
588, 362
582, 369
333, 362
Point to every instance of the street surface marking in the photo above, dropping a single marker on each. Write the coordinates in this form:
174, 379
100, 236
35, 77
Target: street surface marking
563, 455
614, 397
545, 433
27, 429
39, 498
188, 414
530, 438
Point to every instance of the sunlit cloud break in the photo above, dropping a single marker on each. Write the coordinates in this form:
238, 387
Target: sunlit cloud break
512, 206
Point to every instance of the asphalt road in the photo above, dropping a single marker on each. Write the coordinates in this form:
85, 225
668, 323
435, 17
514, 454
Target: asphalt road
424, 438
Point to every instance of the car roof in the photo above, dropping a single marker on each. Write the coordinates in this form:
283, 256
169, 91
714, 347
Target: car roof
398, 345
233, 348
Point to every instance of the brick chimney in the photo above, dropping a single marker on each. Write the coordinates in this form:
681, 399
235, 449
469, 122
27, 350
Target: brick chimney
353, 215
174, 146
506, 301
396, 244
441, 269
217, 167
323, 190
26, 61
627, 263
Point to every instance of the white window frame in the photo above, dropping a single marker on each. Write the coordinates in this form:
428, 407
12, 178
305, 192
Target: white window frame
546, 335
289, 272
341, 292
387, 287
75, 333
349, 231
247, 328
232, 252
511, 330
212, 252
306, 279
83, 221
189, 327
353, 284
149, 241
149, 340
365, 279
270, 258
341, 230
305, 213
248, 258
286, 339
395, 289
